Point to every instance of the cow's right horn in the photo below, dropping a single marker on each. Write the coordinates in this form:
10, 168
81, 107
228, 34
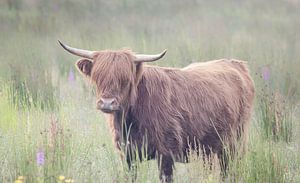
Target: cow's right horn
78, 52
149, 58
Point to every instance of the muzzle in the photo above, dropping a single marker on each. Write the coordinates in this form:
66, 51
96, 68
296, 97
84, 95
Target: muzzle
108, 105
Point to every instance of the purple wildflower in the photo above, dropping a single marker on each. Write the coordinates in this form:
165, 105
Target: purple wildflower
71, 76
40, 158
266, 73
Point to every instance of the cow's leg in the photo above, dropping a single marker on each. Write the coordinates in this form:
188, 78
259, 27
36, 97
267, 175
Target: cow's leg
223, 160
166, 164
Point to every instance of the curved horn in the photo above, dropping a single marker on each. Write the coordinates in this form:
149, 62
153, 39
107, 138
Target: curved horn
149, 58
78, 52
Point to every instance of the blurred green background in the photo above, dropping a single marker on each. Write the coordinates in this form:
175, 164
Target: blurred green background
265, 33
38, 79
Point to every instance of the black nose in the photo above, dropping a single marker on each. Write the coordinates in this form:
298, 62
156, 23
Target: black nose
107, 104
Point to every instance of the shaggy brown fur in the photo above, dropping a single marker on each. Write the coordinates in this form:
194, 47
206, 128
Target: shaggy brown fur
167, 111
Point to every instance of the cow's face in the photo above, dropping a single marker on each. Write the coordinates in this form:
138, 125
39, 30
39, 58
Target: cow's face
115, 74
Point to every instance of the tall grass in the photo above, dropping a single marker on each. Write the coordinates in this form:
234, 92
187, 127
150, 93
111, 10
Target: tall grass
276, 117
48, 123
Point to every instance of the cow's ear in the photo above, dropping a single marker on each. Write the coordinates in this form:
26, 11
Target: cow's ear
85, 66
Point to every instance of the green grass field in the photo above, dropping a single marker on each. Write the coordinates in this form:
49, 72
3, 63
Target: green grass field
50, 130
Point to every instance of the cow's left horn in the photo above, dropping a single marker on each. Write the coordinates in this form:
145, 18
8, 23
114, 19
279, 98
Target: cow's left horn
78, 52
149, 58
